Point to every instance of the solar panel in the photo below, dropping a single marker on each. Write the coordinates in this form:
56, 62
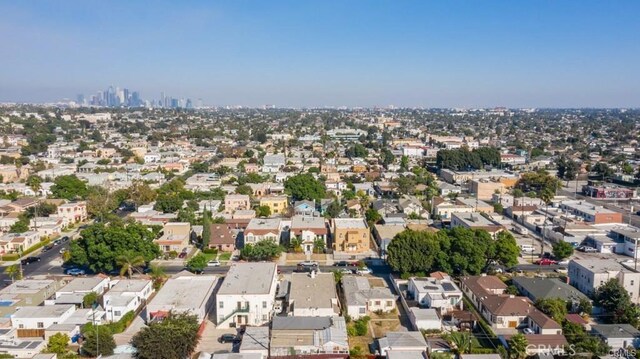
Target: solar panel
448, 287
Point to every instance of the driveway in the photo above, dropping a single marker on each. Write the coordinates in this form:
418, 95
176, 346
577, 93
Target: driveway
209, 340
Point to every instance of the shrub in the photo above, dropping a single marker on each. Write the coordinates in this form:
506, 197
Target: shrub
172, 254
210, 251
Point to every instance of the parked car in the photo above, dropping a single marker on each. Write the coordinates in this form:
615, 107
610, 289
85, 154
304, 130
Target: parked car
346, 271
26, 261
75, 271
62, 250
528, 331
57, 242
213, 263
345, 264
587, 249
48, 247
228, 338
363, 271
182, 255
546, 262
65, 238
564, 262
308, 264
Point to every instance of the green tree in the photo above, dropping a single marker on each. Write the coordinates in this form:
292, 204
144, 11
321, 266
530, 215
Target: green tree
357, 150
140, 193
128, 262
555, 308
305, 187
89, 299
334, 209
197, 263
13, 271
404, 163
263, 211
57, 343
168, 203
405, 184
244, 189
518, 346
461, 341
35, 183
506, 249
98, 340
615, 300
372, 216
562, 250
100, 245
69, 187
261, 251
206, 229
319, 246
22, 225
412, 251
174, 337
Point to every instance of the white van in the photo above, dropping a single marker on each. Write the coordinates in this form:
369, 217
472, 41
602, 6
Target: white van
527, 248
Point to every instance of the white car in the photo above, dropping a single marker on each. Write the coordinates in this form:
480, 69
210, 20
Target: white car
346, 271
213, 263
528, 331
62, 250
363, 271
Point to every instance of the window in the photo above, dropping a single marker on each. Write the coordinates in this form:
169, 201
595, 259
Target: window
264, 317
264, 304
389, 303
20, 326
221, 304
377, 302
363, 310
40, 325
117, 313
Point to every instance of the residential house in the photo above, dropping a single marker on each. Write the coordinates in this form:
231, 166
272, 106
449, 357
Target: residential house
236, 202
260, 229
309, 336
185, 292
222, 238
405, 342
273, 163
14, 242
247, 295
617, 336
256, 342
309, 230
442, 294
425, 318
31, 322
313, 295
476, 221
72, 213
175, 236
543, 288
362, 299
304, 208
24, 293
276, 204
127, 295
350, 235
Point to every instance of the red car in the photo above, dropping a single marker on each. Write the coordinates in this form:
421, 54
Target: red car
546, 262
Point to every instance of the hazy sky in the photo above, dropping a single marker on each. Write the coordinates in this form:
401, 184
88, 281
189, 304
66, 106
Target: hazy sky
555, 53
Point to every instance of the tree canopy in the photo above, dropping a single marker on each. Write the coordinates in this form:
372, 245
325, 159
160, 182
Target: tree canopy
100, 245
615, 300
261, 251
458, 250
562, 250
174, 337
463, 159
305, 187
197, 263
69, 187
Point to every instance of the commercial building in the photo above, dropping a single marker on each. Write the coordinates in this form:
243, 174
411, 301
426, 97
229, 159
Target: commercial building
590, 212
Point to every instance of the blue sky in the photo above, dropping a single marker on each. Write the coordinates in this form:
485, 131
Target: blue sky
538, 53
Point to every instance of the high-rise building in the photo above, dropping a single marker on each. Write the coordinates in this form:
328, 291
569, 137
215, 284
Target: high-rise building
80, 99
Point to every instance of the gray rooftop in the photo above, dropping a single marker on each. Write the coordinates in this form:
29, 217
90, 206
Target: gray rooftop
540, 288
85, 284
308, 292
357, 291
184, 292
349, 223
129, 285
47, 311
300, 323
249, 278
616, 330
255, 338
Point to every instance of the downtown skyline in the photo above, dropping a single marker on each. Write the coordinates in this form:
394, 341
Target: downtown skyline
328, 54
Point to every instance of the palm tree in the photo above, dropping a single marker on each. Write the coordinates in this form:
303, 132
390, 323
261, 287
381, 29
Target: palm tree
157, 275
129, 262
460, 341
546, 196
13, 271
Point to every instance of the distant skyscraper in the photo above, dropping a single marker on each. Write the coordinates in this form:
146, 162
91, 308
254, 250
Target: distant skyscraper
80, 99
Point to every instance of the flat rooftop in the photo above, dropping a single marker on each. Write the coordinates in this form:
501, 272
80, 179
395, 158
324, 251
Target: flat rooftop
85, 284
263, 223
249, 278
47, 311
184, 291
601, 265
129, 285
307, 222
308, 292
346, 223
27, 286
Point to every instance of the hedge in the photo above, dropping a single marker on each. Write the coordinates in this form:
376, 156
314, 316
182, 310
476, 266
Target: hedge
115, 327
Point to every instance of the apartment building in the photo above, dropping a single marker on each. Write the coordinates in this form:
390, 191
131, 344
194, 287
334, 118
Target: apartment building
261, 229
247, 295
589, 274
350, 235
277, 204
236, 202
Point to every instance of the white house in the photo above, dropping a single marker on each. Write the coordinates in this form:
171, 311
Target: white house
125, 296
247, 295
425, 318
442, 294
40, 317
185, 292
